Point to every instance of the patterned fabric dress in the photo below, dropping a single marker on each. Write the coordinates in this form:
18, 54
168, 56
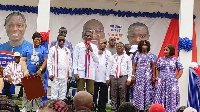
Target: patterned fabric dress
141, 93
167, 90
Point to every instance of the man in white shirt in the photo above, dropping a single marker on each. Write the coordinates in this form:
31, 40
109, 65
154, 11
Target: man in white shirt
112, 44
127, 49
59, 65
84, 59
12, 75
120, 76
100, 87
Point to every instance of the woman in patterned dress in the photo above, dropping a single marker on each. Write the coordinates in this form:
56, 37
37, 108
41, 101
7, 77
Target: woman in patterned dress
167, 90
141, 93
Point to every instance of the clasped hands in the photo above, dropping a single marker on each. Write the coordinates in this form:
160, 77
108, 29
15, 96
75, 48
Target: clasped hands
38, 73
52, 78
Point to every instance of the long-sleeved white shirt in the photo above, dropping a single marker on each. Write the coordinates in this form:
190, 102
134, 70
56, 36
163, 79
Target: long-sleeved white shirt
61, 64
79, 60
125, 68
102, 66
15, 71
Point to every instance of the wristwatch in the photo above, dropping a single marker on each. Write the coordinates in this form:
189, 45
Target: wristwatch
40, 69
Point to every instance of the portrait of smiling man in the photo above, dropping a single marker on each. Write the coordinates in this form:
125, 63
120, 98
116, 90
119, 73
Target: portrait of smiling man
15, 26
97, 28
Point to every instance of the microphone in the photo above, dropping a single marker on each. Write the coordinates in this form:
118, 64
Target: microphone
88, 42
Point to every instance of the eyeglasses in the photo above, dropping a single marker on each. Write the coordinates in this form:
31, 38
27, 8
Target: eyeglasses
95, 30
61, 40
141, 37
88, 35
62, 32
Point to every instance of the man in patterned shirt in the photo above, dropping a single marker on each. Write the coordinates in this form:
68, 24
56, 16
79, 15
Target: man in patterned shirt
12, 75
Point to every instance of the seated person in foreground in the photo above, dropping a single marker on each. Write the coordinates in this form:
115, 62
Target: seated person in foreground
83, 101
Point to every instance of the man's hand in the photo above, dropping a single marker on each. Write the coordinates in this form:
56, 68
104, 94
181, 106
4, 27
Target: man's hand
51, 77
128, 83
100, 52
76, 77
107, 82
38, 73
89, 48
133, 81
69, 79
9, 79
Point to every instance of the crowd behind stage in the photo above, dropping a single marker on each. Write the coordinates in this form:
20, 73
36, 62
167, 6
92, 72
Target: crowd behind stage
136, 82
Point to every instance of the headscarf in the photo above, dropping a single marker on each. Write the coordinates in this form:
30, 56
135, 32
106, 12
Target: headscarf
9, 105
57, 105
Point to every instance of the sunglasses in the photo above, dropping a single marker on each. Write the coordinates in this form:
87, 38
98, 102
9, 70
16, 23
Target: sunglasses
63, 32
61, 40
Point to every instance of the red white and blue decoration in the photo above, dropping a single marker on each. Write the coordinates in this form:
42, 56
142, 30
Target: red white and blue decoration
163, 29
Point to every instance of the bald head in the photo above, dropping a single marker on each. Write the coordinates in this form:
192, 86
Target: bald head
97, 29
46, 109
102, 44
83, 101
112, 42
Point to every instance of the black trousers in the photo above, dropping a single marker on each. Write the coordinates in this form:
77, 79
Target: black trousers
101, 89
128, 94
7, 89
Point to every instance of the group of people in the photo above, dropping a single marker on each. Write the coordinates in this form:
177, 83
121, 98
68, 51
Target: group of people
129, 69
82, 102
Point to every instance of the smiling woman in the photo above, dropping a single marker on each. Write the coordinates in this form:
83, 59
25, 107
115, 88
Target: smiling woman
15, 25
34, 61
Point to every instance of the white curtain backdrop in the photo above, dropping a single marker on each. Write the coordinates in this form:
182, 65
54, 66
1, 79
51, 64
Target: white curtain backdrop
74, 24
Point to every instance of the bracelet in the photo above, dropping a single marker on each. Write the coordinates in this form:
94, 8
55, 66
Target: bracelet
132, 75
40, 69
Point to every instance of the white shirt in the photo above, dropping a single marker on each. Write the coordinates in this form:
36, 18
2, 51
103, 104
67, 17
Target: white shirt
125, 68
133, 48
61, 66
14, 70
102, 66
79, 60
